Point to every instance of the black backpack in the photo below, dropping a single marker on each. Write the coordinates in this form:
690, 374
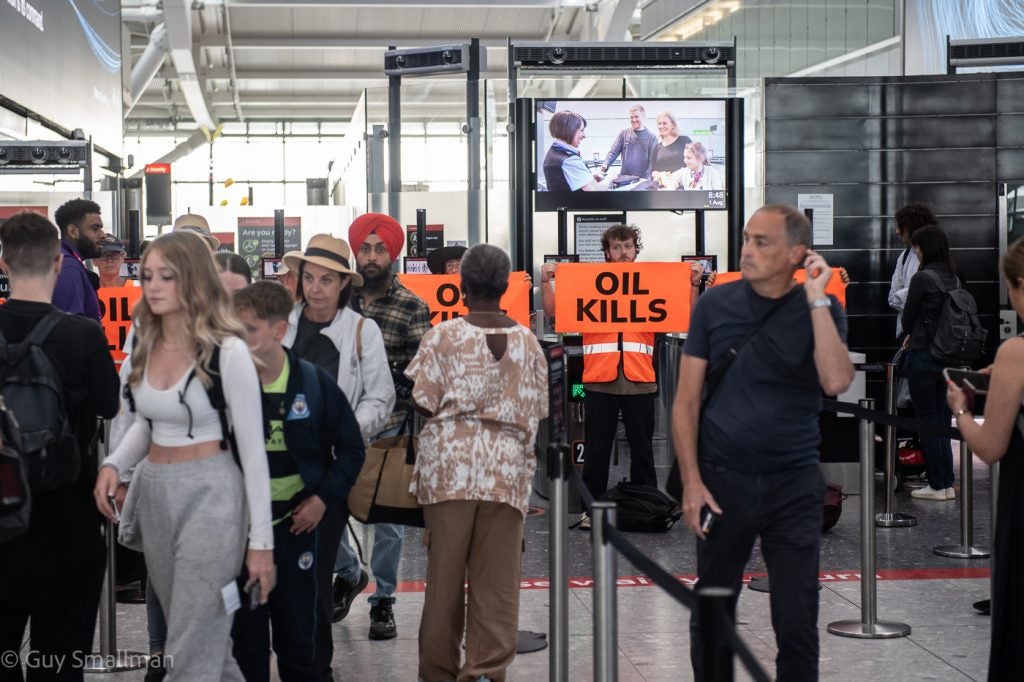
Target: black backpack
957, 339
33, 392
642, 508
15, 492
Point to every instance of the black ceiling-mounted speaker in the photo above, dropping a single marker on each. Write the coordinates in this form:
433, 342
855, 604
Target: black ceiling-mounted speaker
622, 56
420, 61
64, 156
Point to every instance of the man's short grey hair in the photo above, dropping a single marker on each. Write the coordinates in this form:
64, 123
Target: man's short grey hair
484, 271
798, 227
639, 108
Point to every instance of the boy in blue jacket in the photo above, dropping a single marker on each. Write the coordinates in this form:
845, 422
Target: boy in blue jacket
315, 452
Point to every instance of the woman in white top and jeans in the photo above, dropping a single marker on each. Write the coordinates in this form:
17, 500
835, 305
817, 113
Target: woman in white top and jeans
190, 504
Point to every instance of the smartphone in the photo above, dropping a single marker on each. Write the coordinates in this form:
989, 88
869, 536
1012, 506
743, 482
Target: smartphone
708, 520
113, 506
254, 596
965, 379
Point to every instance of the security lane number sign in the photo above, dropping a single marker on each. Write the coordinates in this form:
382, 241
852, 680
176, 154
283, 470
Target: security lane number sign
444, 297
622, 297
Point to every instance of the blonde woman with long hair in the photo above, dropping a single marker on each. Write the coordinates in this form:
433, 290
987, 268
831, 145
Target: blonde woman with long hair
667, 155
190, 504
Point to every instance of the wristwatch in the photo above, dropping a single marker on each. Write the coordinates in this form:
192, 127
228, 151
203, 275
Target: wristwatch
824, 302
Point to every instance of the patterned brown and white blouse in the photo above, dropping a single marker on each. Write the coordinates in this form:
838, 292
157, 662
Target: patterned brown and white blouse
479, 445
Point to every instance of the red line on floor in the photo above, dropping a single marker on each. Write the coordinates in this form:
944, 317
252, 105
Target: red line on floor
584, 582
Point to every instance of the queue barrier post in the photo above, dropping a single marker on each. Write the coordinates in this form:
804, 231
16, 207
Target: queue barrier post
110, 659
558, 561
966, 548
868, 627
713, 619
889, 518
606, 659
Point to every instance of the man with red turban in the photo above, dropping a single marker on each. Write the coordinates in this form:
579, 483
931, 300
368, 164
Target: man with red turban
387, 229
403, 319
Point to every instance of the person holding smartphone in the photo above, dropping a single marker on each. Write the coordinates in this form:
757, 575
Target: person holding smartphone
1000, 438
190, 502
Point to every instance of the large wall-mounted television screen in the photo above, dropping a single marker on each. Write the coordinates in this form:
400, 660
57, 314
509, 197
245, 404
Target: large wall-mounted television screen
631, 154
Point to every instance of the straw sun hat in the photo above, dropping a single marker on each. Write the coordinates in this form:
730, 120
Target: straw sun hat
327, 252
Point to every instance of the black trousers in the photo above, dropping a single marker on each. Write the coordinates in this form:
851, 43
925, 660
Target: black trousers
785, 510
62, 625
601, 425
329, 532
294, 610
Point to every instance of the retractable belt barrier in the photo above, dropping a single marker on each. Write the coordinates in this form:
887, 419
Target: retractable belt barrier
719, 640
718, 630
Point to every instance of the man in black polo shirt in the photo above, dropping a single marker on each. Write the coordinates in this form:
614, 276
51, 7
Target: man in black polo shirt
758, 460
51, 576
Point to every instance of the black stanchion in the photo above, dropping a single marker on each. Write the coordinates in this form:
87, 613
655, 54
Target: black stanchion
868, 627
890, 518
713, 618
558, 557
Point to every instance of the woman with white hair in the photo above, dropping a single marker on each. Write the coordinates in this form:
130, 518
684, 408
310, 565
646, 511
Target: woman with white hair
481, 380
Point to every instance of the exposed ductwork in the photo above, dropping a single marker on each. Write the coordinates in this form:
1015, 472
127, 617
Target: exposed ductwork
178, 19
149, 63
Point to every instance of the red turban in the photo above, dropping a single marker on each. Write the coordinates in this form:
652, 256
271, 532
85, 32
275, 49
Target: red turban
384, 226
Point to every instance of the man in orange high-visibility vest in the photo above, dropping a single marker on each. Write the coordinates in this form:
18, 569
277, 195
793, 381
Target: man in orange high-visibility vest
618, 375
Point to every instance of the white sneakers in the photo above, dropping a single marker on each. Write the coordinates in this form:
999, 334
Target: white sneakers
930, 493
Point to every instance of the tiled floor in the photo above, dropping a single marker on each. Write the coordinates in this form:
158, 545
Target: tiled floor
949, 641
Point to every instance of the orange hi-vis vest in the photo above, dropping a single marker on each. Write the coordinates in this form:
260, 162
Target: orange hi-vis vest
601, 353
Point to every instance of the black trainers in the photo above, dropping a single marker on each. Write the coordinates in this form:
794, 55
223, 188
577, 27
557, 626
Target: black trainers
382, 621
345, 593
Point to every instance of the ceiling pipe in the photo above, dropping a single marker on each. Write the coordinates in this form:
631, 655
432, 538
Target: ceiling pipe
144, 70
178, 17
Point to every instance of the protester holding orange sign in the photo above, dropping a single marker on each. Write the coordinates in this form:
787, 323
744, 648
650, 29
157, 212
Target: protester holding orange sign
444, 296
116, 305
618, 366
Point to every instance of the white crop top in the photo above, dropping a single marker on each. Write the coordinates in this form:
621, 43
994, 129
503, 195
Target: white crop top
180, 419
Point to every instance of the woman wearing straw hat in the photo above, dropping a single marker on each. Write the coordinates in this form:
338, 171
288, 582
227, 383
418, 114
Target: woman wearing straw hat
325, 331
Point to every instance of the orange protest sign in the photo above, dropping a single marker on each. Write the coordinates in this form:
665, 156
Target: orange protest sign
622, 297
444, 297
116, 304
835, 285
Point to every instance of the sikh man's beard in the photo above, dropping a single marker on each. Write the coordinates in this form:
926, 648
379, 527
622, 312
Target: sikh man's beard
375, 278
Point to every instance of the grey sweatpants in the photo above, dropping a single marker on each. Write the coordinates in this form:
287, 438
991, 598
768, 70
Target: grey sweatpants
193, 521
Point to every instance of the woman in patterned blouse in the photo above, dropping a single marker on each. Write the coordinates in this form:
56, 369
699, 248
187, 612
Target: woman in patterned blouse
482, 382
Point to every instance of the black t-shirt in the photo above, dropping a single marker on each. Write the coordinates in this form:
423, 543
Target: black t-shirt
764, 416
63, 542
314, 347
669, 157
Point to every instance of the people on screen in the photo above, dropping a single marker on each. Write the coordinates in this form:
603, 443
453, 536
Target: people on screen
634, 144
564, 168
667, 156
697, 172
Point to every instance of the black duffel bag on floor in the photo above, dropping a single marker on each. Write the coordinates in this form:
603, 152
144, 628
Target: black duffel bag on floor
642, 508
